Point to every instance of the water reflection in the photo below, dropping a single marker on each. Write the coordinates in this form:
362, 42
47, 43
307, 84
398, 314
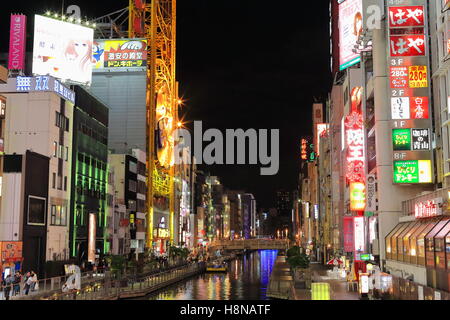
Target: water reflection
247, 279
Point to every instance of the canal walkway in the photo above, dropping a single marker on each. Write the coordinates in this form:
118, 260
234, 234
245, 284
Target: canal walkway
111, 289
338, 287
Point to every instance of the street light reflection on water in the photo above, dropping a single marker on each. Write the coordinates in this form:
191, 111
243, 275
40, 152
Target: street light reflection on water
247, 279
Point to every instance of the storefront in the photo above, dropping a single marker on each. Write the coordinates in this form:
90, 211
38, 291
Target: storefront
420, 248
11, 257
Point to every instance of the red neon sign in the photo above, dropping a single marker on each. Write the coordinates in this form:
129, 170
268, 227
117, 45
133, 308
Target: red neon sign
428, 209
407, 16
355, 143
407, 45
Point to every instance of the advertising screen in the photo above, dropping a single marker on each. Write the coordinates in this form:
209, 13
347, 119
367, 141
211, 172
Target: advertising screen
120, 54
350, 28
63, 50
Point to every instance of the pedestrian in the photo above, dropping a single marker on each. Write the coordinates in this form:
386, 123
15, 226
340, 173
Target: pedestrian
16, 283
28, 282
7, 285
34, 282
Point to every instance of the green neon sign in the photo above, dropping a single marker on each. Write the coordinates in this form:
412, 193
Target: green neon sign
406, 171
401, 139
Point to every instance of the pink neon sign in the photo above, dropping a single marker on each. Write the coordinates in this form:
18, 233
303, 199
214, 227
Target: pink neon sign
17, 42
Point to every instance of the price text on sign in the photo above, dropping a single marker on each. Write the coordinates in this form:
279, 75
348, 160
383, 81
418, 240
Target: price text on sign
418, 77
399, 77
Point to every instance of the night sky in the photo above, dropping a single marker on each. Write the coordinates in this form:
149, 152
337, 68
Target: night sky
241, 64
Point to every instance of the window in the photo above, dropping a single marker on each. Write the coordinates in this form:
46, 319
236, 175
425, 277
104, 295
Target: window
36, 211
61, 152
132, 186
58, 215
133, 167
55, 149
65, 183
60, 183
54, 181
132, 205
67, 153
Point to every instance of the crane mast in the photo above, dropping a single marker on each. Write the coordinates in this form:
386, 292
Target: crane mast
155, 20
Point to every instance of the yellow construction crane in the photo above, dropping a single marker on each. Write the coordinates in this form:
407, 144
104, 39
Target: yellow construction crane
155, 20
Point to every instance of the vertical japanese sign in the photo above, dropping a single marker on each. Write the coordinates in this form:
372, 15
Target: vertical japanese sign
408, 58
17, 42
354, 132
348, 234
360, 237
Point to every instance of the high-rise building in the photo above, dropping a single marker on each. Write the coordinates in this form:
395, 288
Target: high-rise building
89, 208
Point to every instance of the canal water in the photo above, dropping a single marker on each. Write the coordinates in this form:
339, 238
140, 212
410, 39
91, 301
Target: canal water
247, 279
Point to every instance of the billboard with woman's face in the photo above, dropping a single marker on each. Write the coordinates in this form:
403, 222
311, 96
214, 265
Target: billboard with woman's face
350, 28
63, 50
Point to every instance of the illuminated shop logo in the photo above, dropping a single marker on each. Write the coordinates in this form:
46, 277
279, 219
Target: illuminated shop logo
428, 209
407, 45
407, 16
405, 108
411, 139
357, 196
414, 171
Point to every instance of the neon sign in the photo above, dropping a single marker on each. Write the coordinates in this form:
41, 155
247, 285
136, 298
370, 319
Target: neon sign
355, 143
414, 171
428, 209
357, 196
304, 149
401, 139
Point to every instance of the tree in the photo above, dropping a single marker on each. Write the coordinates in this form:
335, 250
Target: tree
298, 261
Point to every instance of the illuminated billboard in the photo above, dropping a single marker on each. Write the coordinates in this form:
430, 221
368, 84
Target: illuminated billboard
401, 139
350, 28
413, 171
120, 54
357, 196
404, 108
63, 50
406, 16
17, 42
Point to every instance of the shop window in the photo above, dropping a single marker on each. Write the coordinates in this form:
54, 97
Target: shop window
400, 243
394, 241
389, 242
409, 243
440, 247
430, 243
421, 243
447, 251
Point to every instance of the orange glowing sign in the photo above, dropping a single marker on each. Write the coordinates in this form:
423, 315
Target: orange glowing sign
304, 149
357, 196
11, 251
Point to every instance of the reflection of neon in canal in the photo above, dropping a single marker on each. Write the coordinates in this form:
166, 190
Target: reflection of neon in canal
247, 279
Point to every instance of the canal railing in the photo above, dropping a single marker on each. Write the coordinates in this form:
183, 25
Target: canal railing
114, 289
251, 244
